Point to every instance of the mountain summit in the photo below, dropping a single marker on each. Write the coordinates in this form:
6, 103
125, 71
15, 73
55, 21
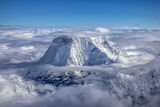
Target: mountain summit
82, 51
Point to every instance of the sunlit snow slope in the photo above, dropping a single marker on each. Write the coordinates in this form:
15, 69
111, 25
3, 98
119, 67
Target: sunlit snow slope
80, 51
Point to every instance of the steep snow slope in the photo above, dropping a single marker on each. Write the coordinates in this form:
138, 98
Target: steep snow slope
80, 51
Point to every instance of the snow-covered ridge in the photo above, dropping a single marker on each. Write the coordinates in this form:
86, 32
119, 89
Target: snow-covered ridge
86, 51
13, 85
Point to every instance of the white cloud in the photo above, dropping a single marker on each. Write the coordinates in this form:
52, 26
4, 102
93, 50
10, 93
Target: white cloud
78, 96
27, 47
129, 27
25, 35
102, 30
129, 47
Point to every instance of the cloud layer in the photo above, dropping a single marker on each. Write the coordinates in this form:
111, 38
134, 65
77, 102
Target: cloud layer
95, 86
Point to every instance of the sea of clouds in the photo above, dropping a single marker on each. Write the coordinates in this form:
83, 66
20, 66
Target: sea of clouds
27, 44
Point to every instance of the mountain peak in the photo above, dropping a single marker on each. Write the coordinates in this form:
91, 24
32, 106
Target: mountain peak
81, 51
62, 39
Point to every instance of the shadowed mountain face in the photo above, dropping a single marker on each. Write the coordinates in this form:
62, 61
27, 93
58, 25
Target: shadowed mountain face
81, 51
58, 52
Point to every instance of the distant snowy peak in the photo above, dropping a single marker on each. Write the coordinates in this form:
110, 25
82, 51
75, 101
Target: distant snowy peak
83, 51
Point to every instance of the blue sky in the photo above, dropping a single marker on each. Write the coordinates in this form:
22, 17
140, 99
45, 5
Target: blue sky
106, 13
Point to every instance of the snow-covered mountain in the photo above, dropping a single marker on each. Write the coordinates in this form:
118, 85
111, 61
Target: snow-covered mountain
137, 88
86, 51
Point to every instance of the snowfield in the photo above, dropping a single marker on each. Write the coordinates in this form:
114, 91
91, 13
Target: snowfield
79, 67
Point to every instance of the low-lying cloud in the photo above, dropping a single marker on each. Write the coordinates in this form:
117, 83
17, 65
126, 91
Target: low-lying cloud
28, 45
